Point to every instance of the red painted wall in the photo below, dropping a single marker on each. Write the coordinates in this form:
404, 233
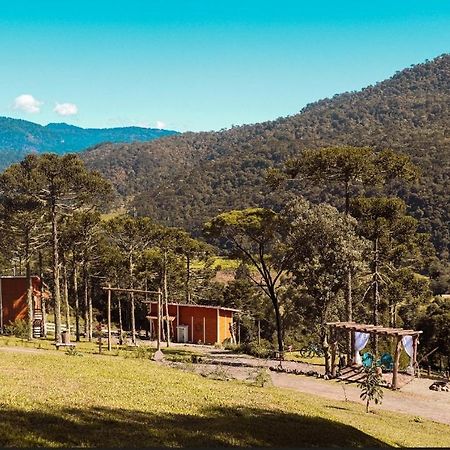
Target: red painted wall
14, 298
201, 322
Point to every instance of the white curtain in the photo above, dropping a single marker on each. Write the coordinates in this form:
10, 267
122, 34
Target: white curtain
408, 345
361, 340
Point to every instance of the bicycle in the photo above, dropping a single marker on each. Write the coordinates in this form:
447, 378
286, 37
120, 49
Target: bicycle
311, 350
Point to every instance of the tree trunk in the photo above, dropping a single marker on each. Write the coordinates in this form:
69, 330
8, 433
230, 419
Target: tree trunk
77, 301
66, 296
91, 319
391, 312
376, 297
188, 279
274, 298
133, 317
86, 302
323, 332
29, 287
43, 302
56, 286
348, 293
166, 295
119, 303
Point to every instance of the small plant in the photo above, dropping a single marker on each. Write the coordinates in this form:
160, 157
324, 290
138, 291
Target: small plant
262, 378
371, 387
19, 328
72, 351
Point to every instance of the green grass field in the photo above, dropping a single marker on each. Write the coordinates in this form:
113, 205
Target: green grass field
49, 398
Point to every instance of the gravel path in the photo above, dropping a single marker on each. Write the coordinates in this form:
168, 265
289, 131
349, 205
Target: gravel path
415, 398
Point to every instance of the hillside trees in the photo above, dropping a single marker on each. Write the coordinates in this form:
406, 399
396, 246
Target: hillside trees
80, 242
60, 185
255, 234
350, 168
22, 217
131, 236
396, 245
329, 247
407, 113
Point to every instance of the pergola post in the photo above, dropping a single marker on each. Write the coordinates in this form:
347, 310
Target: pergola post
109, 318
398, 350
415, 365
333, 345
158, 343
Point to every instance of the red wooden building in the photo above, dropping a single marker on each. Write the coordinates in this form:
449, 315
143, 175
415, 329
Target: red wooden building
13, 300
195, 323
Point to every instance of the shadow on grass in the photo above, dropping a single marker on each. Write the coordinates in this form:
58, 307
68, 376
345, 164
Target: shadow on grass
220, 427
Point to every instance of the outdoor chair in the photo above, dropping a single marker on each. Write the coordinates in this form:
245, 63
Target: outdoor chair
387, 362
367, 359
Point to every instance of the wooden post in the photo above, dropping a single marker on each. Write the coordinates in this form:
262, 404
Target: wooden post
415, 365
333, 351
398, 350
158, 344
352, 360
109, 319
239, 330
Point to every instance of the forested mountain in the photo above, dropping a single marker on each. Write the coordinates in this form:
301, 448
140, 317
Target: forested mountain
20, 137
183, 180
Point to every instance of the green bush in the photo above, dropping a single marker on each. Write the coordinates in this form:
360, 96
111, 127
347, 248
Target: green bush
262, 350
19, 328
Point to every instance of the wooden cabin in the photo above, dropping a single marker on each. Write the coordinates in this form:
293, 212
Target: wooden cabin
194, 323
13, 301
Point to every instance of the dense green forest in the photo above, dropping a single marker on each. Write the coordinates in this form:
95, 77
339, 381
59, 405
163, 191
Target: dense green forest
300, 267
20, 137
185, 179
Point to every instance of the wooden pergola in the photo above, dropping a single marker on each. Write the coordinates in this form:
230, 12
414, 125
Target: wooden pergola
396, 333
110, 289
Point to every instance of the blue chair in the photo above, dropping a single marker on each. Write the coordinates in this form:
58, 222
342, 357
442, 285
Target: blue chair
387, 361
367, 359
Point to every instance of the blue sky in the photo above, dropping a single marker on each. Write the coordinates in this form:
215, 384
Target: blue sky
202, 65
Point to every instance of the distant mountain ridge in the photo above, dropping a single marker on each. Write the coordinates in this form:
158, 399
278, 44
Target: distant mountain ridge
186, 179
20, 137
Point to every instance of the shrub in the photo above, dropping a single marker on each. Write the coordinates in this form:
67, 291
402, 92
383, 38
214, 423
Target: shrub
261, 350
72, 351
19, 328
262, 377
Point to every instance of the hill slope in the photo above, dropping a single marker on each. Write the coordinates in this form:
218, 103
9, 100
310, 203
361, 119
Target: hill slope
19, 137
183, 180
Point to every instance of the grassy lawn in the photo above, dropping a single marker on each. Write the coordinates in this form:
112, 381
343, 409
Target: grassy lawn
53, 399
295, 356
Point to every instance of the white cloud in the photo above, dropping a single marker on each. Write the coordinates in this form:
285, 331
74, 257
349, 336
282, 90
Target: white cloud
27, 103
160, 124
65, 109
